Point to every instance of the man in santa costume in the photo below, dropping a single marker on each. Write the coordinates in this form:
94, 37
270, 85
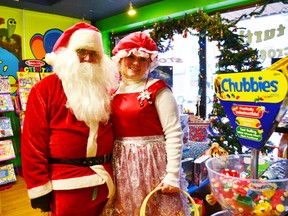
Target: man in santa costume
67, 138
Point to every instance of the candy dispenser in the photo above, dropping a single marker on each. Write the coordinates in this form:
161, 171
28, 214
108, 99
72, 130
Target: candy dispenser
235, 191
255, 102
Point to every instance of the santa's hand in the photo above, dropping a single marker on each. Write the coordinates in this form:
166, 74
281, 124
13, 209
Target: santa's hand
166, 188
42, 202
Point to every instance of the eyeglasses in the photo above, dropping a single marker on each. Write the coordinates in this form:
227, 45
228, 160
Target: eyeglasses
83, 53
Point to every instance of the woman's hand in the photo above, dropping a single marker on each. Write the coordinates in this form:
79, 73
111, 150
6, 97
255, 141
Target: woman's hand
166, 188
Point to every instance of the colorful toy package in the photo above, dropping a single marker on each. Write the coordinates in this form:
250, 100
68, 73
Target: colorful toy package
6, 103
23, 95
4, 85
26, 81
7, 174
6, 150
5, 127
198, 129
194, 149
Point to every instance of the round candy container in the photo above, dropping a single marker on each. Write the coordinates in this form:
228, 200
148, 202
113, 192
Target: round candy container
235, 191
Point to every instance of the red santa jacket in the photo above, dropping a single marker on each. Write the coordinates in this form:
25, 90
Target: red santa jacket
52, 131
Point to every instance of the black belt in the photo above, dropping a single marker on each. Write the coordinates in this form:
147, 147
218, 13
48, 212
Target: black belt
90, 161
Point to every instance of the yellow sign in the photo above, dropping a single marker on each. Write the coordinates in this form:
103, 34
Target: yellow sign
263, 86
248, 122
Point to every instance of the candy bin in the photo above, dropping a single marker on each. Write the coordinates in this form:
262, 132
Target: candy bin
242, 195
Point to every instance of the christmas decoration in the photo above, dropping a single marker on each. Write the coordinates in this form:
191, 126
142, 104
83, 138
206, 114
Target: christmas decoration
215, 27
235, 56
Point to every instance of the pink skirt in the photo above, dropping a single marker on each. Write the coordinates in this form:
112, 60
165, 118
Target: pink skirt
139, 166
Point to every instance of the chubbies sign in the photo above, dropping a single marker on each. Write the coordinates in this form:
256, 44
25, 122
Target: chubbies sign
252, 101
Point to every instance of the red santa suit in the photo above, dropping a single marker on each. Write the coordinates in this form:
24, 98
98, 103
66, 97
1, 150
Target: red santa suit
52, 136
59, 135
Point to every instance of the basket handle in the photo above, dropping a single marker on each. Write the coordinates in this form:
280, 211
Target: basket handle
143, 206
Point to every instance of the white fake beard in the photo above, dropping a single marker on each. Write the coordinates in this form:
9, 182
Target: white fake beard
87, 86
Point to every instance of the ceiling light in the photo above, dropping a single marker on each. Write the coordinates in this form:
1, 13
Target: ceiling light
131, 10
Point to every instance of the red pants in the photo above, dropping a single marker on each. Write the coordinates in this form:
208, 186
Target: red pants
78, 202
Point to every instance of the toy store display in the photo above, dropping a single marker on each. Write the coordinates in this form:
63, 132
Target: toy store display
198, 141
7, 153
188, 168
7, 174
6, 103
198, 128
195, 149
234, 189
200, 170
196, 173
30, 72
6, 150
193, 160
26, 81
255, 103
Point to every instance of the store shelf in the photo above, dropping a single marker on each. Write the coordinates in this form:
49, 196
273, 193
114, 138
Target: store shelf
193, 188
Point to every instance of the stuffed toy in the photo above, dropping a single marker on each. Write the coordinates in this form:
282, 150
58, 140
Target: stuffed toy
214, 151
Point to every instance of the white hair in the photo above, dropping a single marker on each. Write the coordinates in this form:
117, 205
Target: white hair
87, 86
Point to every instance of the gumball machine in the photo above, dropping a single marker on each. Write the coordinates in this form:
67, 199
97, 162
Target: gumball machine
241, 195
252, 184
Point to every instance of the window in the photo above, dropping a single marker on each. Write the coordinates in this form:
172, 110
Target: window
182, 55
267, 32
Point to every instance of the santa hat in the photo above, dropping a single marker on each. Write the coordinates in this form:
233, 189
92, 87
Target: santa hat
138, 43
79, 36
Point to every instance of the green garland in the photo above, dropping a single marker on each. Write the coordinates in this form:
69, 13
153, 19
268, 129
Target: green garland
214, 27
235, 56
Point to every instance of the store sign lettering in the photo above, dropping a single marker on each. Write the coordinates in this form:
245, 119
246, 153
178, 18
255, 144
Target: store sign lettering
248, 111
170, 60
34, 65
266, 35
252, 87
252, 100
260, 36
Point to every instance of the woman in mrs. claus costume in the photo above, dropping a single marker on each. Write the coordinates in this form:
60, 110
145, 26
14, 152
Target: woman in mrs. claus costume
148, 147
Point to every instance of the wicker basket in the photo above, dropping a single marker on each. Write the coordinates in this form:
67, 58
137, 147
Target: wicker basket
143, 206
